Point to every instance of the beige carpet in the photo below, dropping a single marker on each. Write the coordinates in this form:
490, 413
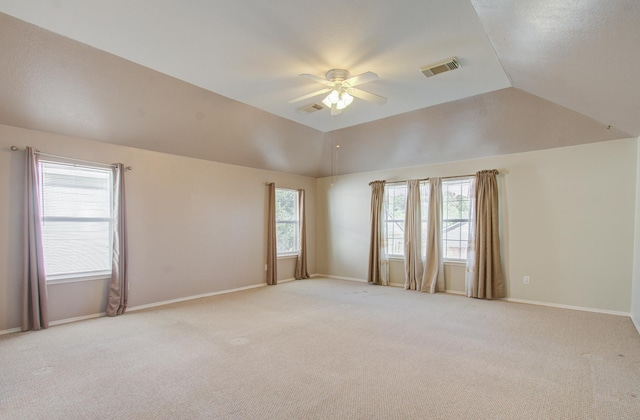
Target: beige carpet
327, 349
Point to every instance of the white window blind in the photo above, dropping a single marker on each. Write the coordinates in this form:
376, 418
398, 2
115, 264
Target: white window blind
76, 211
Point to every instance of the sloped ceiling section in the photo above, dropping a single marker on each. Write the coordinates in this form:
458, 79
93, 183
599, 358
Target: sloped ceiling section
51, 83
582, 54
507, 121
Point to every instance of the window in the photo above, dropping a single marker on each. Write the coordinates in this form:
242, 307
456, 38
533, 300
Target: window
455, 218
77, 219
394, 213
287, 222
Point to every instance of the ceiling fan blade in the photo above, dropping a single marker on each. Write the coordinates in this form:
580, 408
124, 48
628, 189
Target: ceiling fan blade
367, 96
310, 95
362, 78
317, 79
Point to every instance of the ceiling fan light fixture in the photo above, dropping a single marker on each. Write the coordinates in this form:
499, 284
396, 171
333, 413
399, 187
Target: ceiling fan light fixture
340, 99
344, 101
332, 98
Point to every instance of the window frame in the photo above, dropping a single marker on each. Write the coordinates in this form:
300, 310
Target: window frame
77, 276
386, 220
470, 180
424, 215
295, 222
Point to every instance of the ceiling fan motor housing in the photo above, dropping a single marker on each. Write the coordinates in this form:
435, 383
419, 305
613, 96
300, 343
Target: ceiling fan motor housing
337, 75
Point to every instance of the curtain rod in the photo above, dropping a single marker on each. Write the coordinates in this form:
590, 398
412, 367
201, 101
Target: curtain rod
15, 149
442, 177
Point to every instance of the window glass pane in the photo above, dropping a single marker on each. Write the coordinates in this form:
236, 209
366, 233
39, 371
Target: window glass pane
76, 219
394, 214
75, 247
455, 217
286, 237
286, 205
424, 214
69, 191
287, 221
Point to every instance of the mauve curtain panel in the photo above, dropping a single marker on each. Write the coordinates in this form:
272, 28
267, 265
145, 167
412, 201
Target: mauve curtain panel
485, 275
433, 279
119, 284
413, 237
272, 252
378, 272
301, 262
34, 288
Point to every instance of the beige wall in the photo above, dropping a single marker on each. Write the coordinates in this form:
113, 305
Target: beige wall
198, 227
195, 226
635, 294
567, 218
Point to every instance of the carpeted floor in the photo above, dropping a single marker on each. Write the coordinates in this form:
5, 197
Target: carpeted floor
327, 349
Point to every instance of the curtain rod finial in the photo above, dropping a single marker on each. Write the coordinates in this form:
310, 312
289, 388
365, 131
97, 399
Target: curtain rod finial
14, 149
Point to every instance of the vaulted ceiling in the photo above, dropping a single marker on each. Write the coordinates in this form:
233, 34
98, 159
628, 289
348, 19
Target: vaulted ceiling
212, 79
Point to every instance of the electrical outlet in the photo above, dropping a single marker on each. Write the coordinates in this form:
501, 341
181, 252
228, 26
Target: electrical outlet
527, 279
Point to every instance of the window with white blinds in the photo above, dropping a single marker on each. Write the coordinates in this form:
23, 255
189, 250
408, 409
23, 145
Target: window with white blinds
77, 218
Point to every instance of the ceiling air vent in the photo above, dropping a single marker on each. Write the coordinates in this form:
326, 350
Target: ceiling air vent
308, 109
432, 70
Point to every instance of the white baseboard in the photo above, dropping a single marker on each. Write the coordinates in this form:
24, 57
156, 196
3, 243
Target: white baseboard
10, 331
342, 278
455, 292
575, 308
59, 322
529, 302
636, 324
76, 318
221, 292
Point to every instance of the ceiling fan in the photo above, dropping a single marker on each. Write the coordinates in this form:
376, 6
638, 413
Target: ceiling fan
340, 85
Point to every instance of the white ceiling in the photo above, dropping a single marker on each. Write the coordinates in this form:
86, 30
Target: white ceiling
581, 54
253, 51
570, 69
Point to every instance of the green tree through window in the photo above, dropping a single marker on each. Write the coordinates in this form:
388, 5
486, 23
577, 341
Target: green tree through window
287, 221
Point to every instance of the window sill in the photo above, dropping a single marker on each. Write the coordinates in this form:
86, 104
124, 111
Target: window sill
286, 256
462, 263
76, 279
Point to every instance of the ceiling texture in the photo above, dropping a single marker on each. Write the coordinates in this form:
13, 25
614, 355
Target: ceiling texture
212, 79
